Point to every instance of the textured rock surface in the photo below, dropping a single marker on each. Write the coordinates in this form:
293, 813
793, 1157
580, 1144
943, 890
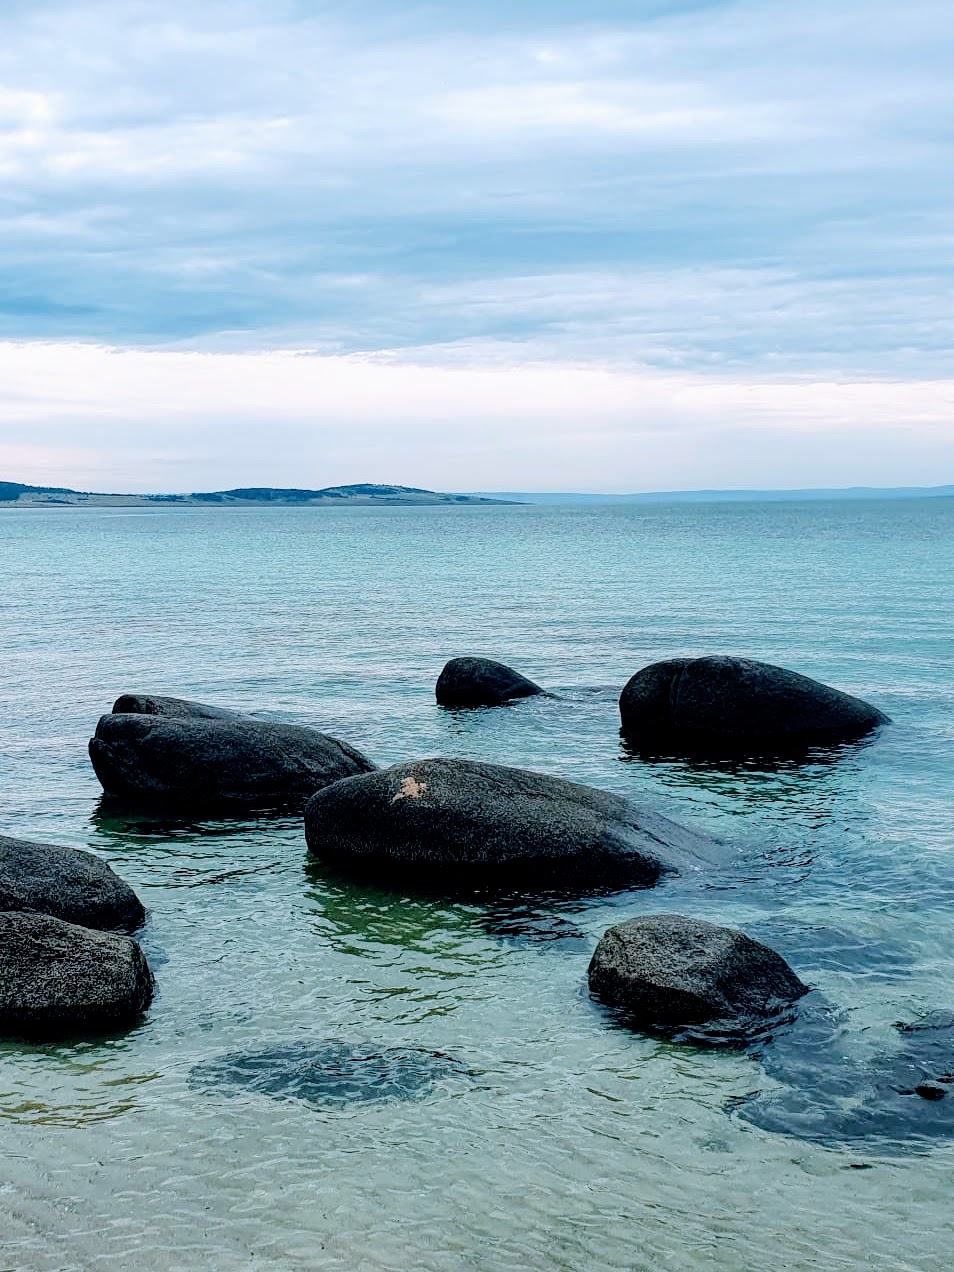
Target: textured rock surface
67, 884
206, 763
447, 820
481, 682
668, 971
152, 704
60, 980
721, 704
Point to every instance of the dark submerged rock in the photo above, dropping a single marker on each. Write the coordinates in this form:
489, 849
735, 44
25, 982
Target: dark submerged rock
210, 763
892, 1103
61, 980
332, 1075
153, 704
481, 682
66, 883
723, 705
667, 972
442, 822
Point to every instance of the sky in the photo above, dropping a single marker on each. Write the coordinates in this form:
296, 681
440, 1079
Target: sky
523, 246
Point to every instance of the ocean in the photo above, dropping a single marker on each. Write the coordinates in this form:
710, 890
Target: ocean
546, 1136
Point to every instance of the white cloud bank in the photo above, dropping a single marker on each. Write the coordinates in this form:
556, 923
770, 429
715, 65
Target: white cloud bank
174, 421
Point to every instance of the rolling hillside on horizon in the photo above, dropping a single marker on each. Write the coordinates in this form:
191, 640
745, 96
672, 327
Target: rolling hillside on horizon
366, 494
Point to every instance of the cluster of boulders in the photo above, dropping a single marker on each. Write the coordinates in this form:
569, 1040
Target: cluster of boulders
67, 962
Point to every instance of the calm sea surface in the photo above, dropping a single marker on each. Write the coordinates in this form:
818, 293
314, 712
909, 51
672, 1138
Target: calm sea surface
559, 1141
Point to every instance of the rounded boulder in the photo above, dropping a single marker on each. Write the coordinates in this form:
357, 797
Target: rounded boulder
666, 971
446, 822
66, 883
211, 763
155, 704
58, 979
723, 705
481, 682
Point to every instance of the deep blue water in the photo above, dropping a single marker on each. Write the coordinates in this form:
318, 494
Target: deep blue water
546, 1137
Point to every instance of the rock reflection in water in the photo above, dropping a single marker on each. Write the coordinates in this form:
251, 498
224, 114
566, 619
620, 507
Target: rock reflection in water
329, 1075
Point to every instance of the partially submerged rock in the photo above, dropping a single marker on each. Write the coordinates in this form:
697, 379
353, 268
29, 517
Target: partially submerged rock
58, 979
668, 972
448, 821
154, 704
66, 883
208, 763
481, 682
724, 705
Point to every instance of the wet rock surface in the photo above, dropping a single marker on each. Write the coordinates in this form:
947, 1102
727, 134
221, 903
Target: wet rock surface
201, 763
481, 682
329, 1075
67, 884
442, 822
155, 704
720, 705
60, 980
666, 972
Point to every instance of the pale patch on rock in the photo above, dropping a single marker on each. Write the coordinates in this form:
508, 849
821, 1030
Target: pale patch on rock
411, 788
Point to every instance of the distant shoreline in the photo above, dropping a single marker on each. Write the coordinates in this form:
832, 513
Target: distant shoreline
813, 494
18, 495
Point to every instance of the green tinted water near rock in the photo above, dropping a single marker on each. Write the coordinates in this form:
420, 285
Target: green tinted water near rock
548, 1138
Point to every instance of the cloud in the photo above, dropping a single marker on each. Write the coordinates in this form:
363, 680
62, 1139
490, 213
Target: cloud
735, 190
179, 421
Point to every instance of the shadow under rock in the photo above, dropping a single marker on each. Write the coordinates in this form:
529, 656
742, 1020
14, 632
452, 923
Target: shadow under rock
114, 818
768, 758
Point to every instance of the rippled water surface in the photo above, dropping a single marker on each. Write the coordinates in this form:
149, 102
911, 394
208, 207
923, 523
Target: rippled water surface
336, 1077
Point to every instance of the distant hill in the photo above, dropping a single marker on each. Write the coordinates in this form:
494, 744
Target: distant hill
730, 496
364, 494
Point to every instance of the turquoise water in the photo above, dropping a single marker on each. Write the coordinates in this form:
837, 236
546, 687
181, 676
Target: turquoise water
548, 1138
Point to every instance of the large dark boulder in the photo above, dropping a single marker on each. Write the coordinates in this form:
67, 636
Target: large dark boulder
722, 705
153, 704
66, 883
667, 972
481, 682
61, 980
208, 763
446, 822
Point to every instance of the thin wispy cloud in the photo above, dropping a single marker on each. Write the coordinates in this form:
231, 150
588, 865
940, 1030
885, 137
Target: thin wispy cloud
736, 193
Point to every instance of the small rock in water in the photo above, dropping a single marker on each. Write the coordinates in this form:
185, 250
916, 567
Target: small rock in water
155, 704
667, 972
720, 705
481, 682
930, 1091
61, 980
66, 883
202, 763
332, 1075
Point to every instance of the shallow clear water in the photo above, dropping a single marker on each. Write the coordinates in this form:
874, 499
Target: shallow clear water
548, 1138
